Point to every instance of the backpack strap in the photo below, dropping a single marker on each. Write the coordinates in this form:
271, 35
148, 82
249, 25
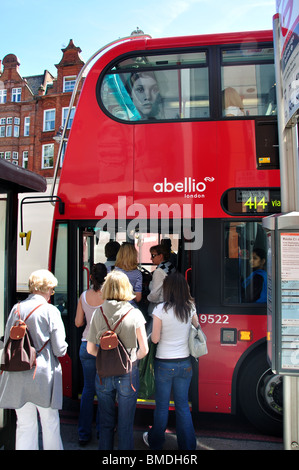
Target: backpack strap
19, 314
119, 321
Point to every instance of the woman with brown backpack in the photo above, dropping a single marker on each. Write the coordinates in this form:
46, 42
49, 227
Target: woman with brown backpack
117, 293
39, 389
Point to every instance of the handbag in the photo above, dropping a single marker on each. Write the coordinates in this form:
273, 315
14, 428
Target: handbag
197, 342
146, 373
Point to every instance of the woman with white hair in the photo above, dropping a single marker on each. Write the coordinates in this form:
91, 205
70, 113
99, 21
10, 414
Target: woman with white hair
38, 390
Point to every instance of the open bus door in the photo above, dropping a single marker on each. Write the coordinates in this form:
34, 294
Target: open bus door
80, 244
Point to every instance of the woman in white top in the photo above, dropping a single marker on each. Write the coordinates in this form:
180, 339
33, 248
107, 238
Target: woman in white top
173, 368
89, 301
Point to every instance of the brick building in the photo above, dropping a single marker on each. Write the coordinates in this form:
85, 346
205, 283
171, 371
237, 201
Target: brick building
32, 110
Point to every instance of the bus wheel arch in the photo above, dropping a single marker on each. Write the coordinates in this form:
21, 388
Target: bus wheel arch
257, 392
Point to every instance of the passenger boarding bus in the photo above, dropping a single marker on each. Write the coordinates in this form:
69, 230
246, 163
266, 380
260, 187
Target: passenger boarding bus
13, 181
177, 138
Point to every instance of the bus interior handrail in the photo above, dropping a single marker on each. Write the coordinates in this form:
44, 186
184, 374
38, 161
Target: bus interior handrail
36, 200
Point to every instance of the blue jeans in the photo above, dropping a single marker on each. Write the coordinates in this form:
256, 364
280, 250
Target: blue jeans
89, 389
176, 376
107, 391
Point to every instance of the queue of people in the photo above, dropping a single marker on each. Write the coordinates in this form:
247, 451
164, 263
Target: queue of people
115, 290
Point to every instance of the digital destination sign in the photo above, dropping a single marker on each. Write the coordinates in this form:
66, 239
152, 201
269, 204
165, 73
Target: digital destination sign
251, 201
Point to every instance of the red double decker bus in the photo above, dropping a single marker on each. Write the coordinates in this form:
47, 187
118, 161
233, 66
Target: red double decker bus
177, 138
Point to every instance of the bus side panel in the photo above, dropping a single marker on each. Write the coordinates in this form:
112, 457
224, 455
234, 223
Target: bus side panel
220, 321
194, 163
237, 157
215, 383
98, 163
172, 163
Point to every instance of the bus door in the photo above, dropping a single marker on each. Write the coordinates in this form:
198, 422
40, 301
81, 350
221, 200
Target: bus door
89, 242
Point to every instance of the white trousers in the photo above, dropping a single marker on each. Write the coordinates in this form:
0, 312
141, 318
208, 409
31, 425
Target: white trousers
27, 428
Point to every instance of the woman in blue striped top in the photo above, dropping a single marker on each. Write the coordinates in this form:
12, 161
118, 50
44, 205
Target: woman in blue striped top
126, 261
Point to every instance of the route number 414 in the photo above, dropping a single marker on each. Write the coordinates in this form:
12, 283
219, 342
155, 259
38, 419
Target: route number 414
255, 203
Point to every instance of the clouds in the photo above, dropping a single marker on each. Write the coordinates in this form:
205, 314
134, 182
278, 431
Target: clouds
170, 12
187, 17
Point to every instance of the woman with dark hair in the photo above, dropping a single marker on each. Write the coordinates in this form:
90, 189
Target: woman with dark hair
173, 367
255, 285
89, 301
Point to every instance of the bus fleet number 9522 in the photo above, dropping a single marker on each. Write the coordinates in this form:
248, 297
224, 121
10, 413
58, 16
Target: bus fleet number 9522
223, 319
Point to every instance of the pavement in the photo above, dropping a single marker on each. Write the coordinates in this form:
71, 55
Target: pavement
213, 432
70, 442
223, 437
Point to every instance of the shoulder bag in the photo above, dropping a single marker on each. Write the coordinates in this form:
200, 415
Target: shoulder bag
197, 342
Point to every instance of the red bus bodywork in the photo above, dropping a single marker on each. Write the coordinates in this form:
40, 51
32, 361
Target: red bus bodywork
106, 158
144, 162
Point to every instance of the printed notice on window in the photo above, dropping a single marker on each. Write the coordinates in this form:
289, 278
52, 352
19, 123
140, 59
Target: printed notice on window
289, 243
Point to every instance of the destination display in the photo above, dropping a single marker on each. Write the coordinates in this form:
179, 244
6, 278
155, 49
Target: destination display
244, 201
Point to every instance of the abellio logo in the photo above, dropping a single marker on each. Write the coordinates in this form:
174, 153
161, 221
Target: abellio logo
189, 186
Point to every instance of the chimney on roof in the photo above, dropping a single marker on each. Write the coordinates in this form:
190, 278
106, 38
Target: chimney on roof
11, 61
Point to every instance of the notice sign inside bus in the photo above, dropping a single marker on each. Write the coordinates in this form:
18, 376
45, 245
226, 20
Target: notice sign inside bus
243, 201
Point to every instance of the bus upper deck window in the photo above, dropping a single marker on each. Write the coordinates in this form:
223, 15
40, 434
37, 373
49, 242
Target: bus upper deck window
248, 82
166, 87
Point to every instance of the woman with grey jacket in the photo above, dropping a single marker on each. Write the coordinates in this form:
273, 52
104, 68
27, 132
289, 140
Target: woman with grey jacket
39, 389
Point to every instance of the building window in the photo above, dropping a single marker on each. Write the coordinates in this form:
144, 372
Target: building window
16, 131
26, 126
7, 155
3, 95
49, 120
69, 83
1, 154
25, 159
2, 131
48, 156
64, 116
9, 120
16, 94
15, 155
8, 131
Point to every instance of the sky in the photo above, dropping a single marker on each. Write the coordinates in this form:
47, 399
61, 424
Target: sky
36, 31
